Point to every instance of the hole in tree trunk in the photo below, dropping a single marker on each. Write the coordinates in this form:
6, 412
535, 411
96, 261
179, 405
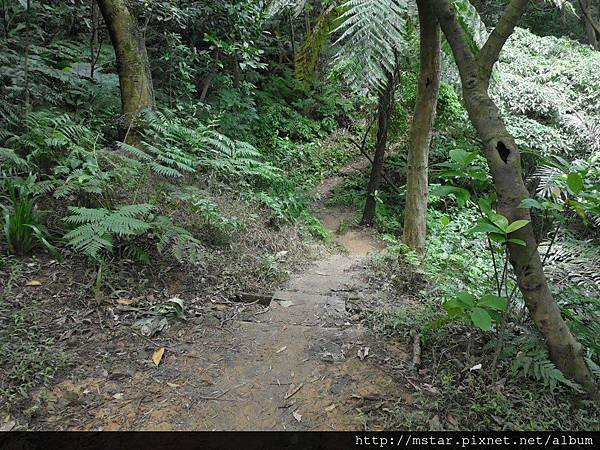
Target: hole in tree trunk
503, 151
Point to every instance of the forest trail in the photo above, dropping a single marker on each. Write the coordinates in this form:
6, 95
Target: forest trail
302, 363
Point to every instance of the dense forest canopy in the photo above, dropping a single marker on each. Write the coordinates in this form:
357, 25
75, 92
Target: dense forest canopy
166, 167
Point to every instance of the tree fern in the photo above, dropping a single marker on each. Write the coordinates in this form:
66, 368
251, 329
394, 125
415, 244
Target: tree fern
372, 36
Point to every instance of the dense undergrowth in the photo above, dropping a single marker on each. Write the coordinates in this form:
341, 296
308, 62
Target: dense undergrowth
479, 382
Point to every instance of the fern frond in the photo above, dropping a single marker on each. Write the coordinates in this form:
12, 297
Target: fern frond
372, 36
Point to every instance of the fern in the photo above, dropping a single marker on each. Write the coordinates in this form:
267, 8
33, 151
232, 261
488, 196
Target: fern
277, 7
531, 360
171, 149
175, 240
97, 228
373, 34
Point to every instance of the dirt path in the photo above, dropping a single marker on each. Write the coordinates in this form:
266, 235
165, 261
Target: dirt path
297, 364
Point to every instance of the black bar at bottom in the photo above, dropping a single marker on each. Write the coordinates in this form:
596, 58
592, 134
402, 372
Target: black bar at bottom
294, 440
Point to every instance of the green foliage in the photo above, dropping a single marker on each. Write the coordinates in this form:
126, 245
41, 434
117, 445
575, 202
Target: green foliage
97, 230
35, 357
471, 22
373, 36
530, 359
478, 312
171, 148
540, 84
22, 222
307, 55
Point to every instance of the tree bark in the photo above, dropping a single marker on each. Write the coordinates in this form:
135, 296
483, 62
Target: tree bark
415, 213
591, 21
385, 107
135, 80
504, 161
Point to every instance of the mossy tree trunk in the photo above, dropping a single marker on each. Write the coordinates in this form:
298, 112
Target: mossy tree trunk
415, 213
135, 80
504, 161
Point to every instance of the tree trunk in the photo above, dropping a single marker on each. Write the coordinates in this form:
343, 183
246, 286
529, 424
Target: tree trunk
386, 102
504, 161
415, 213
135, 80
591, 22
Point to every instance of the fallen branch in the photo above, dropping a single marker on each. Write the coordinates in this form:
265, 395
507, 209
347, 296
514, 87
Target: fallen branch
416, 350
261, 299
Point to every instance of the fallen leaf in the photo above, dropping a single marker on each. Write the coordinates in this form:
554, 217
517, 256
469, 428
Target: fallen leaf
330, 407
173, 385
475, 367
33, 283
281, 349
286, 303
125, 301
297, 416
118, 396
157, 355
8, 425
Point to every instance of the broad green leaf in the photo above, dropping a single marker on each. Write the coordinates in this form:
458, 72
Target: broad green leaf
493, 302
481, 319
531, 203
462, 195
453, 305
462, 157
516, 225
486, 205
499, 220
485, 227
498, 237
575, 182
520, 242
466, 299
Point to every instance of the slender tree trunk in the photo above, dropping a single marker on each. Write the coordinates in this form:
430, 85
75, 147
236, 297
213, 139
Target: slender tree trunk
94, 41
415, 213
135, 80
385, 107
504, 161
